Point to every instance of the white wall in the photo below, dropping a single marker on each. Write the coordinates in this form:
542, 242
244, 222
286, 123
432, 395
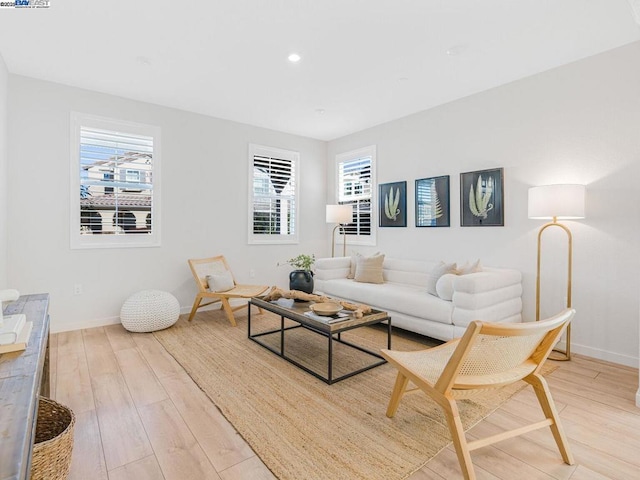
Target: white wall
204, 204
4, 137
575, 124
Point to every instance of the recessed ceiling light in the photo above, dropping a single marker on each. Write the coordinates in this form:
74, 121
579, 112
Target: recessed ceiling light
454, 50
403, 79
294, 58
320, 111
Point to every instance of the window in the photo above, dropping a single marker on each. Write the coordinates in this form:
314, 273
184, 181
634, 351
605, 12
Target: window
355, 184
115, 180
273, 190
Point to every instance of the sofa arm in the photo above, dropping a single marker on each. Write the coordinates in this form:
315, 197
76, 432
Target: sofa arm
486, 281
490, 295
331, 268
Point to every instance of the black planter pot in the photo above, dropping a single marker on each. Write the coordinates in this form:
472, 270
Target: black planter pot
301, 280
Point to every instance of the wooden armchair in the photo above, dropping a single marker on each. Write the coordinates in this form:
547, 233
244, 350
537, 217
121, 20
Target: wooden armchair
487, 356
218, 267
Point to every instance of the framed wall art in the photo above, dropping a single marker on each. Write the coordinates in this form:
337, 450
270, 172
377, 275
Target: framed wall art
432, 202
392, 204
482, 198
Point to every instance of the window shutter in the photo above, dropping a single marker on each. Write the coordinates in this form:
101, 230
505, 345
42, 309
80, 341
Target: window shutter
116, 182
355, 188
274, 192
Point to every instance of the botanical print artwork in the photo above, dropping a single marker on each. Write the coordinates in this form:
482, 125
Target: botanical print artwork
393, 204
432, 202
482, 198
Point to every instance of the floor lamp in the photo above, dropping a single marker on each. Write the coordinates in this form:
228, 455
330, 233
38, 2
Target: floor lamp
557, 202
339, 214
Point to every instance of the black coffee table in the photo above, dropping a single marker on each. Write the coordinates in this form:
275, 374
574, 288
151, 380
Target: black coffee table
330, 329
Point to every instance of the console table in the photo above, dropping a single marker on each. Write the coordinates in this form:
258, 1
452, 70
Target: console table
24, 376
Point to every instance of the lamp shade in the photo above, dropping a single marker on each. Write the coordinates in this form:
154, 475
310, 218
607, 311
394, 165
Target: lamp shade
339, 213
564, 202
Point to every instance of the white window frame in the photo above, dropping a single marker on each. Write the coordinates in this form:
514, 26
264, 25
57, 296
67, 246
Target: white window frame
79, 241
281, 154
369, 151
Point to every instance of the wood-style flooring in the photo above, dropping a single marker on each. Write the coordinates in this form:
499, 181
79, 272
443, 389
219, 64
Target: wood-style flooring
140, 416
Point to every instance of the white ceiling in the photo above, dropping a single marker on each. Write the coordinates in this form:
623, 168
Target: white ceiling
364, 62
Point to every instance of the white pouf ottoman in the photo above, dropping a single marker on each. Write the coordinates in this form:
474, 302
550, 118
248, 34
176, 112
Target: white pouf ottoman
149, 310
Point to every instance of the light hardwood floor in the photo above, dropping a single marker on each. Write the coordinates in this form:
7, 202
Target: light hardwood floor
140, 416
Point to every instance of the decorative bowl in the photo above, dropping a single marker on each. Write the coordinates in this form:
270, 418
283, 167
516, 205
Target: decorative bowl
325, 308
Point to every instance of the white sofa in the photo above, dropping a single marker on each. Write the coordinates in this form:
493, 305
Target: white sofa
494, 294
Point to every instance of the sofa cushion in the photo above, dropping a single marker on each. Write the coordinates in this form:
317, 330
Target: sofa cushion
330, 268
369, 269
407, 299
412, 272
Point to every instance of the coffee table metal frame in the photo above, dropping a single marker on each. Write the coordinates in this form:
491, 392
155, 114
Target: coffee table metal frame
332, 331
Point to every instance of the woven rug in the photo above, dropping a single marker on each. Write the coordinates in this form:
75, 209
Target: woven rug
303, 428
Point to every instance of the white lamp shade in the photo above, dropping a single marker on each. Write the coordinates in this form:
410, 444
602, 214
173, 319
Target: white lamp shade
564, 202
339, 213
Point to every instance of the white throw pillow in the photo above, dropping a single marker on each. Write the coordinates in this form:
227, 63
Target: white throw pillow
369, 269
444, 286
470, 268
220, 282
435, 274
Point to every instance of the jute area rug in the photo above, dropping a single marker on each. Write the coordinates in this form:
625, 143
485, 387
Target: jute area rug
301, 427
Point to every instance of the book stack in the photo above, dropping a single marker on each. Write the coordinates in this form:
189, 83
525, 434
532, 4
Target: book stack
14, 333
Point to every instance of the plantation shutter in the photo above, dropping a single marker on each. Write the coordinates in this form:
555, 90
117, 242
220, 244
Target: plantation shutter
116, 182
274, 195
355, 188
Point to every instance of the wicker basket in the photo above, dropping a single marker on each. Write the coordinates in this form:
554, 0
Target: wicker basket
53, 444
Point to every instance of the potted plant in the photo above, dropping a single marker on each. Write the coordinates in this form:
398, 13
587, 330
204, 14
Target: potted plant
302, 277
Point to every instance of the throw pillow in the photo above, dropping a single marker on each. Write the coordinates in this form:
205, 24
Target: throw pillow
444, 286
369, 269
435, 274
354, 261
220, 282
470, 268
352, 266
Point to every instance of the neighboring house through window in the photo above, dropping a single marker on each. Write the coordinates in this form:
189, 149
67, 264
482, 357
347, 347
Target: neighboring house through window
115, 197
273, 190
355, 185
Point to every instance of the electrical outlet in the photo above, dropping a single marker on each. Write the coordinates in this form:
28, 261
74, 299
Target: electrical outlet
252, 273
77, 289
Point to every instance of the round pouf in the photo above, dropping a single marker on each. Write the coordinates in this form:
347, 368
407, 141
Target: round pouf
149, 310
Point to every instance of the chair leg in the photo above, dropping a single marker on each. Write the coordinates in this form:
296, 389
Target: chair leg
196, 304
459, 439
396, 395
541, 388
228, 310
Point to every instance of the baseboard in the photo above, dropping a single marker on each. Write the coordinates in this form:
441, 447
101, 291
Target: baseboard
605, 355
103, 322
96, 322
